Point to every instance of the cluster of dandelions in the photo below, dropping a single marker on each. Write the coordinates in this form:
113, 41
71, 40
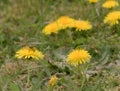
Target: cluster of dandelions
107, 4
77, 56
113, 17
66, 22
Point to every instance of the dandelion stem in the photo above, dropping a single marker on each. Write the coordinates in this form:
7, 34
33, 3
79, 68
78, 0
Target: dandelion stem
83, 81
81, 73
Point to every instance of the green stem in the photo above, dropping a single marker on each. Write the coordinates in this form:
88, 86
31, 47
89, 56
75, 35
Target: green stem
84, 68
83, 81
81, 73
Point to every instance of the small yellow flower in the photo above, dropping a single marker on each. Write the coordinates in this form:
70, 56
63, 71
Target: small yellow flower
61, 23
65, 22
110, 4
82, 25
112, 18
29, 52
93, 1
53, 80
53, 27
78, 56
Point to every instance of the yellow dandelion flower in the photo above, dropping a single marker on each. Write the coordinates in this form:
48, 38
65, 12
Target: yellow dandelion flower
93, 1
53, 80
61, 23
53, 27
110, 4
82, 25
112, 18
29, 52
78, 56
65, 22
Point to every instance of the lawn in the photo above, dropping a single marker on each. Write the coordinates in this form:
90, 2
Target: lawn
23, 23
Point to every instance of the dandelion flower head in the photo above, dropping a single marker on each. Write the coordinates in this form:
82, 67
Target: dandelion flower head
112, 18
78, 56
62, 22
82, 25
29, 52
53, 80
65, 22
93, 1
110, 4
53, 27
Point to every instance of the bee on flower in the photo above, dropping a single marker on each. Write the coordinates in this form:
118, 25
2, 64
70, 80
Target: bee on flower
110, 4
29, 52
78, 56
112, 18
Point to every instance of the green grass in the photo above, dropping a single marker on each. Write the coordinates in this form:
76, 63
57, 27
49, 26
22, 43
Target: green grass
21, 23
